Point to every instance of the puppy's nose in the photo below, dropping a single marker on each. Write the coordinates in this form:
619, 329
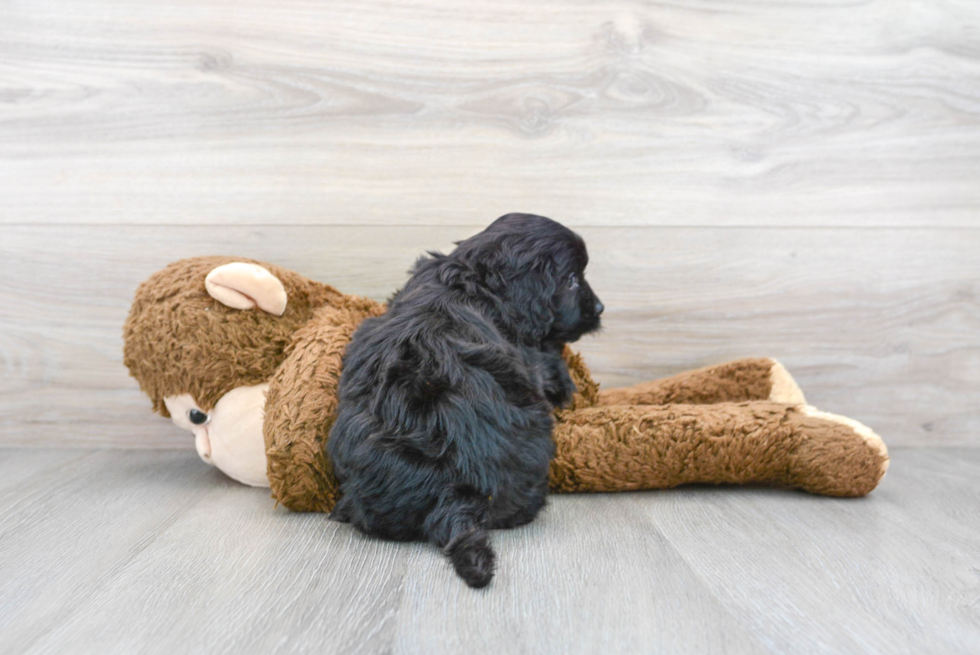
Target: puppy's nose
598, 307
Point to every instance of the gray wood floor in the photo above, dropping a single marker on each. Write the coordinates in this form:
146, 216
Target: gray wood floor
116, 551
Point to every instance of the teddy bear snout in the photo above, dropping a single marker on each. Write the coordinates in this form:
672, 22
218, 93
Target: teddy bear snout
203, 444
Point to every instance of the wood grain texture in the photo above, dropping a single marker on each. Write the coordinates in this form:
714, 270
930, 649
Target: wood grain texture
881, 325
70, 528
152, 551
895, 572
445, 112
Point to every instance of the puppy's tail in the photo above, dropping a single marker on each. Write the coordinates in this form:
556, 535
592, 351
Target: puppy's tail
472, 557
458, 524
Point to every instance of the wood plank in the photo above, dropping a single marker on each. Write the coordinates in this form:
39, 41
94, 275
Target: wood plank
68, 530
880, 325
156, 553
590, 575
234, 574
63, 382
444, 112
892, 572
19, 464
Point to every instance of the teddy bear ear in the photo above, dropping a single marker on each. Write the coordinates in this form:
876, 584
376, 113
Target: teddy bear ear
243, 286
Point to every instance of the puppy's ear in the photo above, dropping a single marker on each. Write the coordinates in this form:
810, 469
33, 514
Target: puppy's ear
522, 279
518, 278
457, 275
530, 296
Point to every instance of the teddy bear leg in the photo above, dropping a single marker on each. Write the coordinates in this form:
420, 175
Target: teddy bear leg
759, 378
832, 461
620, 448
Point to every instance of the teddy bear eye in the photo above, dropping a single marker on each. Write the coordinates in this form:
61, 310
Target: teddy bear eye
197, 417
573, 281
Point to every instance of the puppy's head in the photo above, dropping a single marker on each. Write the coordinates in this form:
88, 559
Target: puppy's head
535, 267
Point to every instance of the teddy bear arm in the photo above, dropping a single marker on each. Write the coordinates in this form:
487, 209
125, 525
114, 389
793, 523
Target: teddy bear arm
618, 448
760, 378
300, 408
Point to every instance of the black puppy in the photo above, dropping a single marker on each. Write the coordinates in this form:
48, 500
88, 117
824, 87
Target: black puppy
444, 425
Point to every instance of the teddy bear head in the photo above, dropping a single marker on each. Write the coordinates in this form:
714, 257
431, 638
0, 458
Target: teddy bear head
208, 325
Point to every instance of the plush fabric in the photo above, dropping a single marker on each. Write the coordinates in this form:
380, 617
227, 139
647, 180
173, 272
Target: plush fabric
739, 422
608, 448
177, 337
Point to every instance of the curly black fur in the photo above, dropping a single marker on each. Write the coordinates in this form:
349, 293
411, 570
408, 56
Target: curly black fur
444, 425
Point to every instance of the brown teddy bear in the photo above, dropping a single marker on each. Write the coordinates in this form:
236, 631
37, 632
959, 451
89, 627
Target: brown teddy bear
247, 356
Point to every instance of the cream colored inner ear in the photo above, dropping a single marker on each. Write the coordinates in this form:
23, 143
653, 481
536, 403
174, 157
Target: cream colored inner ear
244, 286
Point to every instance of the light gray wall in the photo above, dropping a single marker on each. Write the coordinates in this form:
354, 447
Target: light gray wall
784, 179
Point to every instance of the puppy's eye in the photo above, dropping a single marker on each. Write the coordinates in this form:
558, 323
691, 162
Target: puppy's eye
197, 417
573, 281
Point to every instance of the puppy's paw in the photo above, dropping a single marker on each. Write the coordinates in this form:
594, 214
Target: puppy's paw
472, 557
559, 387
341, 512
560, 398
